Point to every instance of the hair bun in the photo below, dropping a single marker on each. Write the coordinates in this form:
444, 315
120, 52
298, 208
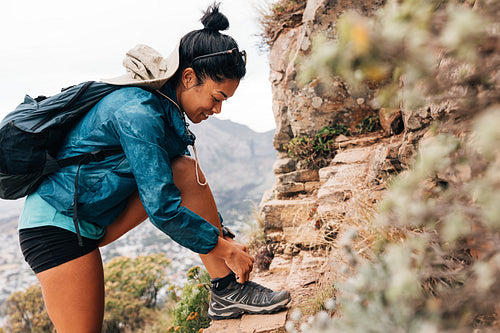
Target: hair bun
213, 19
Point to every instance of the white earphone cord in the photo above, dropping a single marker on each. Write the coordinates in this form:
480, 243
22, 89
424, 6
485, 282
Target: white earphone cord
197, 164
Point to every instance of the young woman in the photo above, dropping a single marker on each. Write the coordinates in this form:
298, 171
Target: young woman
152, 178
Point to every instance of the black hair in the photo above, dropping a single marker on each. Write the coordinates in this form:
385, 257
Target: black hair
206, 41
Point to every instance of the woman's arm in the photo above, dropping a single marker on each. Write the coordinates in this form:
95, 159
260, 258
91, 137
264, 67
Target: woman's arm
133, 215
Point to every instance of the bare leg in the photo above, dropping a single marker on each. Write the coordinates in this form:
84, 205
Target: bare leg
199, 199
74, 294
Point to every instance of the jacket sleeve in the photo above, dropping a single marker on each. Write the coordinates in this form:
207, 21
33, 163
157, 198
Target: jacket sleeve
141, 129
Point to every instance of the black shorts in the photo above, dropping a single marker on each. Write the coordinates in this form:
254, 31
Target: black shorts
48, 247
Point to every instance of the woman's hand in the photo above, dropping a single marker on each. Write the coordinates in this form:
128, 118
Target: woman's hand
236, 257
242, 247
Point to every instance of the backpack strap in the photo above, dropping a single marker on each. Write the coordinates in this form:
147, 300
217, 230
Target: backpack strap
75, 208
94, 156
52, 165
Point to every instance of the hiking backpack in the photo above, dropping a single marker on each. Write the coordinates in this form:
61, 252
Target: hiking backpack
31, 135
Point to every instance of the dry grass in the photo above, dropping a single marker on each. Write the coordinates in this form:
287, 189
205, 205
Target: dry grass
254, 236
274, 18
347, 236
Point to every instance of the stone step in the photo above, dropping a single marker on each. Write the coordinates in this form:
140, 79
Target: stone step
354, 155
295, 219
250, 324
278, 214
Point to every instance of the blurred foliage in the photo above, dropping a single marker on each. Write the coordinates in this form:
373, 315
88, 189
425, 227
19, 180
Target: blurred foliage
402, 48
444, 275
132, 287
442, 271
26, 312
190, 313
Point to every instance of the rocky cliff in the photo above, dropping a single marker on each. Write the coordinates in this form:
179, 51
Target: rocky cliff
320, 218
305, 210
301, 198
309, 210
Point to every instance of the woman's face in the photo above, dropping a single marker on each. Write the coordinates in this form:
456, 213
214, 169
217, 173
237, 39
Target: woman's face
201, 101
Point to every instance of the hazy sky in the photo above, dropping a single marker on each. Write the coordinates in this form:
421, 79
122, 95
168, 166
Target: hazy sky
50, 44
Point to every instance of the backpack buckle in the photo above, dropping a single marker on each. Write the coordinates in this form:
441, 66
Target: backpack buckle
97, 156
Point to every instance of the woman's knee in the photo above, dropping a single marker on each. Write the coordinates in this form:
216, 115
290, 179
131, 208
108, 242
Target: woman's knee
183, 164
184, 171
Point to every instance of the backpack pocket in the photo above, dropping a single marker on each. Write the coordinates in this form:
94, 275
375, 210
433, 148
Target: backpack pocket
17, 186
21, 152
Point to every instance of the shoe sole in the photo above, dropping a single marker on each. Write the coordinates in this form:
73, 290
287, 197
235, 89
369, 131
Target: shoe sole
248, 309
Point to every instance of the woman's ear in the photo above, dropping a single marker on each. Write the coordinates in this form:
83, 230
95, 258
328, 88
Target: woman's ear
188, 78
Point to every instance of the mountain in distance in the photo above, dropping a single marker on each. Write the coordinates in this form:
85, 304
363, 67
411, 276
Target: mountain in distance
237, 162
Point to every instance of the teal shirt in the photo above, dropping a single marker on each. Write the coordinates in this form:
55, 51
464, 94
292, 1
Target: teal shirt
38, 213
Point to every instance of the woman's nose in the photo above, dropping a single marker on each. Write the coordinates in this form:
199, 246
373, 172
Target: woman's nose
217, 108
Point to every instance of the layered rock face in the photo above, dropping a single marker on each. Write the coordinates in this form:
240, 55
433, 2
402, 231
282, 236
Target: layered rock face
294, 210
305, 109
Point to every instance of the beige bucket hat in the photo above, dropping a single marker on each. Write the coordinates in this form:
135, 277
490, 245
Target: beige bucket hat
147, 68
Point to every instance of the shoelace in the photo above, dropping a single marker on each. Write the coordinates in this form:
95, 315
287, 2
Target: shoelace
255, 286
246, 285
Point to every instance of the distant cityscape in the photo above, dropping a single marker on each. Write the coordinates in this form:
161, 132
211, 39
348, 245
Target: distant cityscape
15, 273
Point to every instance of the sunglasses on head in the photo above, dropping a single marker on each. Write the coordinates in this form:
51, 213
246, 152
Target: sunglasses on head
237, 55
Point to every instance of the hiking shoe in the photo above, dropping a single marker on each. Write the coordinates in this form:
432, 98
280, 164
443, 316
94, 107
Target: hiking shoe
250, 297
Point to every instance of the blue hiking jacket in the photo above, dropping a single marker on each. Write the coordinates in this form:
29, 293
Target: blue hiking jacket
151, 131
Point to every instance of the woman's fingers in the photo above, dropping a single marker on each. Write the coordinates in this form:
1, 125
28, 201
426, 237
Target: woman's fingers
235, 257
242, 247
241, 264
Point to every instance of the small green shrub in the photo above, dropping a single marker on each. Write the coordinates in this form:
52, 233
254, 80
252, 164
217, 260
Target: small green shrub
369, 124
301, 149
316, 151
190, 313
